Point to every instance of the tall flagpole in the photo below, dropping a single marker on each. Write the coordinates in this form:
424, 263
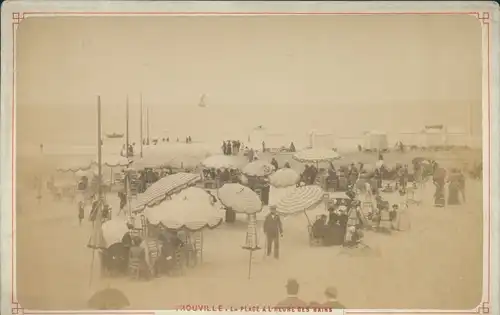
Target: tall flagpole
142, 140
99, 149
127, 134
147, 124
94, 243
127, 155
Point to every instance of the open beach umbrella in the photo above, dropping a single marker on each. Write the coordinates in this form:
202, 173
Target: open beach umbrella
185, 156
284, 177
224, 161
258, 168
193, 194
114, 230
75, 165
418, 160
151, 161
114, 161
108, 299
82, 173
300, 200
184, 214
316, 156
239, 198
163, 188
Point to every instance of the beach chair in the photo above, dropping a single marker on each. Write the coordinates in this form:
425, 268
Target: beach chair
367, 203
198, 246
410, 196
342, 185
179, 262
210, 184
313, 241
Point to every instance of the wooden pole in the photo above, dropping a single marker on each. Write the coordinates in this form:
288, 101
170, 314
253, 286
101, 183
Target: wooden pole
250, 264
99, 149
141, 126
127, 179
127, 134
147, 125
99, 176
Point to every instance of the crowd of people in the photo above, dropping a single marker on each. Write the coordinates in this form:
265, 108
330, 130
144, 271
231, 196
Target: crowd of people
231, 147
163, 252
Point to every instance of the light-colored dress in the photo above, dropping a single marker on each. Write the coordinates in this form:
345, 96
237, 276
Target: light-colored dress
403, 222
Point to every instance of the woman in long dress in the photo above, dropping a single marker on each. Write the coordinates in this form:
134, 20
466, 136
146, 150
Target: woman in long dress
439, 182
454, 188
402, 217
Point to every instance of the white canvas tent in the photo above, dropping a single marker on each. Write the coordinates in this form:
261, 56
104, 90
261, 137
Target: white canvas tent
434, 136
376, 140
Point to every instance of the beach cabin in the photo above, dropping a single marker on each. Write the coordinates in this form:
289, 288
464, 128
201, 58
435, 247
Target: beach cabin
272, 139
457, 137
323, 140
375, 141
434, 136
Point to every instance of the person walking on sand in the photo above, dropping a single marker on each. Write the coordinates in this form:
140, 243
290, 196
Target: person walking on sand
461, 185
274, 163
81, 212
331, 299
273, 230
292, 290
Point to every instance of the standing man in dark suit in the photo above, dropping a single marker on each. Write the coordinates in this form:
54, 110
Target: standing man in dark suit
273, 230
331, 299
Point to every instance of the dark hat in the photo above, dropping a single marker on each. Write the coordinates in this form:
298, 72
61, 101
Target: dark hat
292, 283
395, 206
331, 292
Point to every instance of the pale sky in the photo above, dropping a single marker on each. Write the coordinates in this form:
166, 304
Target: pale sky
341, 74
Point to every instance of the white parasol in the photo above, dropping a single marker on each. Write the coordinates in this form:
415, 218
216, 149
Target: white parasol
239, 198
224, 161
114, 230
258, 168
284, 177
184, 214
316, 156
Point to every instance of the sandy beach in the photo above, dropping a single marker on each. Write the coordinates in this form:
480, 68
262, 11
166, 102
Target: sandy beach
435, 265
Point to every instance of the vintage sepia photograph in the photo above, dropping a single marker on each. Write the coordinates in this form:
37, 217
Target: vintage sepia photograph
228, 161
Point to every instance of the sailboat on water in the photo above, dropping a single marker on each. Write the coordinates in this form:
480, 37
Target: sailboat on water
114, 135
202, 101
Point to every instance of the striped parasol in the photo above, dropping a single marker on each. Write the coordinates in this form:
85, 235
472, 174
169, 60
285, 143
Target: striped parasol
284, 177
185, 214
258, 168
224, 161
239, 198
316, 156
163, 188
300, 199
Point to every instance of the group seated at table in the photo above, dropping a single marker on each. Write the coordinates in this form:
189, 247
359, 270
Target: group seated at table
334, 229
220, 176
